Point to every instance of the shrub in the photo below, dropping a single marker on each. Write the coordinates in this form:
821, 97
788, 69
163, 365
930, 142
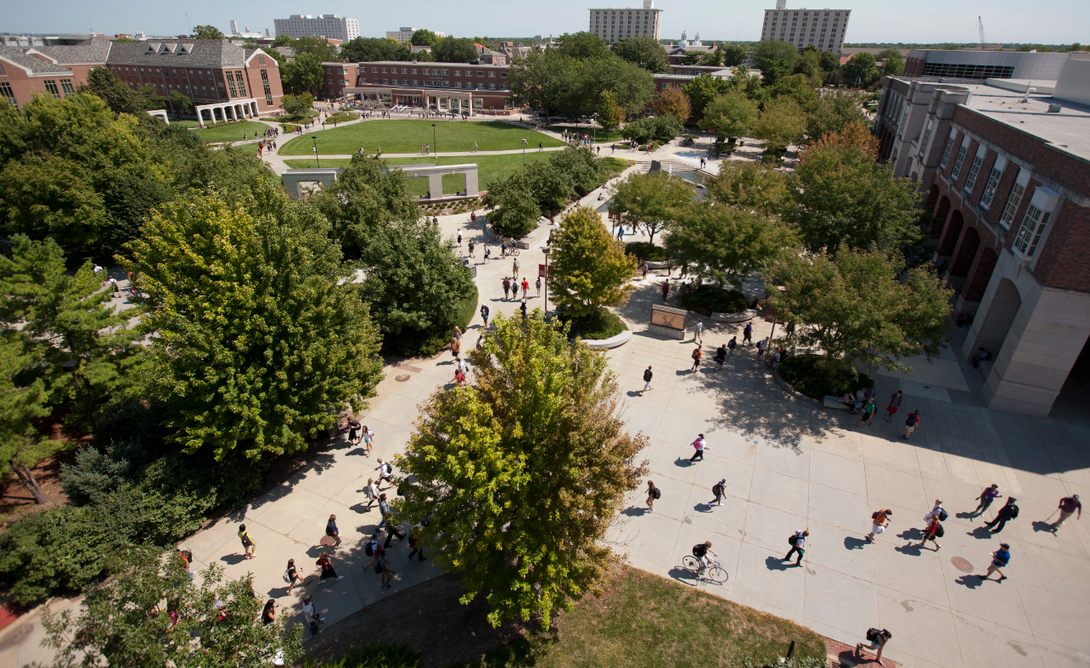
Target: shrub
645, 251
660, 129
95, 473
341, 117
708, 299
601, 324
430, 342
816, 377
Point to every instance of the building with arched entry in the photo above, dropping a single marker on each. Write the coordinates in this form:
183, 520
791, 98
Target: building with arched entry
1006, 168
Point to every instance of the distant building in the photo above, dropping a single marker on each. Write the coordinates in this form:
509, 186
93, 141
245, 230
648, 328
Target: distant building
26, 71
331, 26
677, 53
446, 87
1005, 164
822, 28
245, 34
405, 33
983, 65
616, 24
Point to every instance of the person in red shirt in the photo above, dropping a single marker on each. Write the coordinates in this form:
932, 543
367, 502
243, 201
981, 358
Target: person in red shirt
525, 288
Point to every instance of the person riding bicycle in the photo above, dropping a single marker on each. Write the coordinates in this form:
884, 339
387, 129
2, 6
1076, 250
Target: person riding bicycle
701, 552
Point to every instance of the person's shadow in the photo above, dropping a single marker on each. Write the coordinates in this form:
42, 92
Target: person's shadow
981, 533
853, 543
970, 581
966, 516
635, 511
1038, 525
232, 559
911, 549
682, 461
776, 564
634, 393
911, 534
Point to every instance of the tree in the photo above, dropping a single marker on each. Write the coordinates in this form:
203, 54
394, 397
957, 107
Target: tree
800, 88
729, 116
645, 51
522, 472
660, 128
651, 201
454, 50
749, 186
893, 64
582, 45
22, 401
180, 102
261, 337
370, 49
861, 70
830, 63
855, 136
702, 90
318, 47
118, 95
208, 32
841, 196
424, 38
303, 74
774, 53
153, 614
725, 244
673, 102
781, 123
834, 112
633, 86
734, 55
610, 114
853, 307
809, 64
297, 104
513, 208
590, 268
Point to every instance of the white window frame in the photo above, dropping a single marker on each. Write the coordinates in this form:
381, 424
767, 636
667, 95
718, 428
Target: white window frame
1014, 199
946, 151
959, 161
994, 177
1034, 225
974, 169
926, 138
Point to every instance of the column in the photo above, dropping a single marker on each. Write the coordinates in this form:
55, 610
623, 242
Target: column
435, 185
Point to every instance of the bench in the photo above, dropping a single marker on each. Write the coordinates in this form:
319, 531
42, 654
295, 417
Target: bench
834, 403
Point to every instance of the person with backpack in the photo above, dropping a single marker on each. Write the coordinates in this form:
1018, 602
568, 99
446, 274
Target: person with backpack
937, 511
326, 567
472, 246
798, 544
384, 470
720, 357
986, 497
1007, 513
697, 354
894, 404
484, 314
911, 423
868, 413
700, 445
292, 575
382, 567
747, 334
248, 545
718, 489
647, 375
416, 545
1000, 559
701, 552
652, 494
879, 522
333, 532
353, 430
371, 548
731, 345
933, 532
666, 289
877, 639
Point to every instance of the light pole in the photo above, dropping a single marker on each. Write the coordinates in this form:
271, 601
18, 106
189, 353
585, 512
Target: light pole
72, 366
523, 156
546, 250
315, 149
434, 143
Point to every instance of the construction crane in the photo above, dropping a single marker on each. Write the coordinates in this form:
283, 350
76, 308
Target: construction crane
980, 26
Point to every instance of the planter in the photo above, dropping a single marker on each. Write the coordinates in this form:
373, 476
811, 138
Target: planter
742, 316
792, 392
613, 341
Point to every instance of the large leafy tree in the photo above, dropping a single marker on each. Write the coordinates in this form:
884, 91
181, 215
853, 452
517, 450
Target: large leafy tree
751, 187
645, 51
424, 37
454, 50
522, 472
702, 90
834, 112
582, 45
633, 86
367, 49
893, 64
118, 95
726, 244
304, 74
208, 32
513, 208
730, 116
673, 102
809, 64
861, 70
830, 63
855, 306
22, 400
651, 201
781, 123
610, 114
854, 135
261, 336
842, 196
734, 55
591, 268
773, 54
152, 614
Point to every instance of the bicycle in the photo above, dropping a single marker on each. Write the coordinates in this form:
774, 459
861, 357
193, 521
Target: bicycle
715, 572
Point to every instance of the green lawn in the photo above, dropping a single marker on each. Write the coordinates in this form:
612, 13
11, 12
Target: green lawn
407, 136
490, 168
230, 133
646, 621
598, 134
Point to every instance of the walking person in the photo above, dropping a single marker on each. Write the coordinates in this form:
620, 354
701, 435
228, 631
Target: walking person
877, 639
333, 532
455, 347
384, 470
933, 532
718, 489
368, 439
747, 334
459, 237
798, 544
249, 547
472, 246
292, 574
327, 569
647, 376
418, 547
697, 354
1007, 513
879, 522
1000, 559
311, 616
538, 285
894, 404
525, 289
515, 271
387, 572
371, 491
652, 494
665, 289
731, 345
698, 331
868, 413
986, 497
1069, 505
911, 423
720, 357
353, 430
484, 314
700, 445
506, 288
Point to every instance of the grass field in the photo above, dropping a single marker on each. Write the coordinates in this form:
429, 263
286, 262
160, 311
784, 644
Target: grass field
218, 134
490, 168
407, 136
646, 621
599, 135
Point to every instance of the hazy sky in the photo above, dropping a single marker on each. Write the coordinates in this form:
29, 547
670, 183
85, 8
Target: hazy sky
1043, 21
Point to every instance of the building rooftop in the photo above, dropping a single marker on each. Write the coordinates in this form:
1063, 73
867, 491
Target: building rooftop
178, 52
17, 55
422, 63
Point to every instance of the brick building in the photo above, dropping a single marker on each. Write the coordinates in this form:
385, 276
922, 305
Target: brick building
229, 82
26, 71
451, 87
1007, 175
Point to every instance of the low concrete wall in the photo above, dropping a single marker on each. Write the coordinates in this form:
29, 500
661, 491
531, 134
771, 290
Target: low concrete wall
741, 316
613, 341
655, 266
792, 392
666, 332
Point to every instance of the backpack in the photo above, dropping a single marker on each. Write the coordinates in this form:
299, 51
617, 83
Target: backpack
696, 354
647, 376
1014, 512
378, 567
656, 493
717, 489
329, 531
369, 550
389, 468
943, 514
794, 539
940, 532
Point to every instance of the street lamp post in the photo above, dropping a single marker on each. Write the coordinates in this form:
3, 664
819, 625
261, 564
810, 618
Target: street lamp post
523, 156
315, 149
72, 366
546, 250
434, 142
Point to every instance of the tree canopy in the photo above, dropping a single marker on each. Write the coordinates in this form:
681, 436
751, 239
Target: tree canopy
369, 49
522, 472
208, 32
651, 201
749, 186
734, 54
645, 51
861, 70
424, 37
582, 45
729, 116
673, 102
590, 267
454, 50
782, 122
702, 89
610, 114
774, 53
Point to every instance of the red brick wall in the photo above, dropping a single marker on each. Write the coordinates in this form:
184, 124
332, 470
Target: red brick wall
1062, 263
24, 87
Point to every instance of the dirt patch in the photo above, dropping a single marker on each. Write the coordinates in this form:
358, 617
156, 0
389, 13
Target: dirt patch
426, 617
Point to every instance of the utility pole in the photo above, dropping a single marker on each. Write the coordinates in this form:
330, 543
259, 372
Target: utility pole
315, 149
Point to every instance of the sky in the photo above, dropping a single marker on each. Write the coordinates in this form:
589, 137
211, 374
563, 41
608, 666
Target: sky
927, 21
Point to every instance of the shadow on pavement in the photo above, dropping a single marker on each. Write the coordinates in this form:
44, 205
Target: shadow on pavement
980, 533
853, 543
1038, 525
970, 581
776, 564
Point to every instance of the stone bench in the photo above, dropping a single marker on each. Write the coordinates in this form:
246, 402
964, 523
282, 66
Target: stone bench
657, 265
834, 403
742, 316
